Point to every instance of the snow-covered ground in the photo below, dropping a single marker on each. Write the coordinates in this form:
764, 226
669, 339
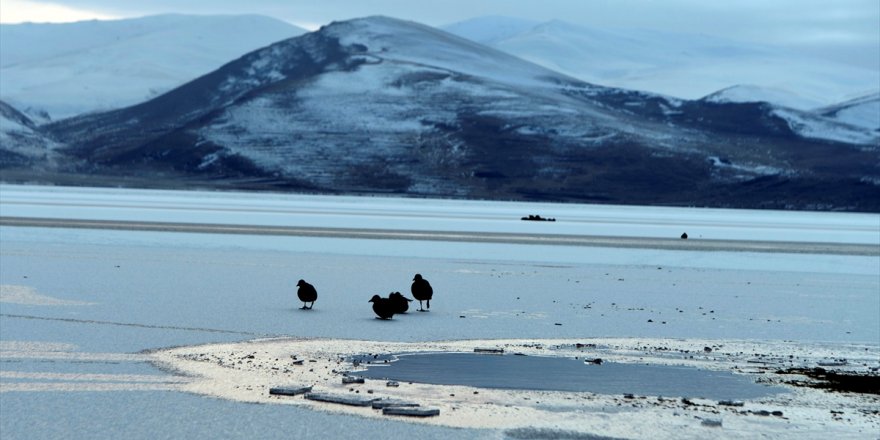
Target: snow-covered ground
81, 306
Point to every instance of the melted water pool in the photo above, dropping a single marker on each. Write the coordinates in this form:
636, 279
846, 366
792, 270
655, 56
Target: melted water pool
566, 374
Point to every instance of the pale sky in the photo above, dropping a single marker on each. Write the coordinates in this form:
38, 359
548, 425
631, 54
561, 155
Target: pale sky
844, 30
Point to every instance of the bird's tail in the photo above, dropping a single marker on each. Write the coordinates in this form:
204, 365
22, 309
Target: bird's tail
429, 303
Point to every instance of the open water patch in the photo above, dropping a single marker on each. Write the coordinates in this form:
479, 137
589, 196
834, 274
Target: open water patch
566, 374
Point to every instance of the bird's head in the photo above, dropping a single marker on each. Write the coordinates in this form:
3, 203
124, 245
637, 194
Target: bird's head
301, 282
375, 298
417, 277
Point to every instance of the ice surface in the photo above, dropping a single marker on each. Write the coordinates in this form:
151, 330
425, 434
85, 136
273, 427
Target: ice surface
180, 415
95, 299
436, 215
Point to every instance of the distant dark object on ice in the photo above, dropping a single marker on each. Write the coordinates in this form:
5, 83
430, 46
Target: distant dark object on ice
400, 302
383, 307
306, 294
537, 218
422, 291
684, 236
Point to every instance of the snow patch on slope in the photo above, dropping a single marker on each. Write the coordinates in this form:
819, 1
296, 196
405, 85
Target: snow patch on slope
751, 93
860, 112
808, 125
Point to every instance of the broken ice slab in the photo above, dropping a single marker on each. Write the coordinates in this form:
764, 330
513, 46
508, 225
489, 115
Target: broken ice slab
410, 411
290, 390
352, 379
384, 403
489, 350
342, 400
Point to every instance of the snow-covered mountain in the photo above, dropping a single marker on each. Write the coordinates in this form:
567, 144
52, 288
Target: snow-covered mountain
384, 105
680, 65
61, 70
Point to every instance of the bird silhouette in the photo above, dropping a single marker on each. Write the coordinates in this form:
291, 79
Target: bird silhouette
306, 294
383, 307
422, 291
400, 302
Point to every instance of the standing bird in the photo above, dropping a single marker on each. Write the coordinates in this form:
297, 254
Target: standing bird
422, 291
306, 294
383, 307
400, 302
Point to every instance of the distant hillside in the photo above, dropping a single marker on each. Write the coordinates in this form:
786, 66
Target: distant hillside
53, 71
679, 65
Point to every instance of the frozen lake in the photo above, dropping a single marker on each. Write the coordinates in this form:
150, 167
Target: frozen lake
80, 305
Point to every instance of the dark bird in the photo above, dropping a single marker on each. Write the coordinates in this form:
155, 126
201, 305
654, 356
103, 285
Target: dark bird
306, 294
383, 307
400, 302
422, 291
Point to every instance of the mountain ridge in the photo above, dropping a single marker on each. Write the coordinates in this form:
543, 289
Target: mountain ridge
380, 105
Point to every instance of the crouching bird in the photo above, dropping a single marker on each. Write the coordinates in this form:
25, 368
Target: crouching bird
306, 294
383, 307
422, 291
400, 302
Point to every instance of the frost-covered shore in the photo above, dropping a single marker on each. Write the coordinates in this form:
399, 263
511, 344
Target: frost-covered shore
246, 371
